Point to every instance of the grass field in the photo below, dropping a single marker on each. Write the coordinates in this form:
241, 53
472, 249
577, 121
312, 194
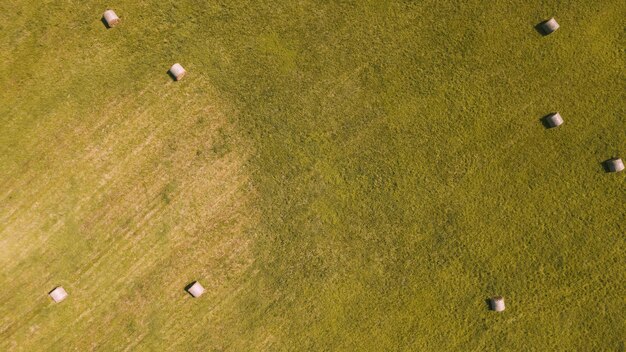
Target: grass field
339, 175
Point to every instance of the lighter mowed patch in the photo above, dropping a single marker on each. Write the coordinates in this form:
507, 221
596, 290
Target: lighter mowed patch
121, 186
124, 207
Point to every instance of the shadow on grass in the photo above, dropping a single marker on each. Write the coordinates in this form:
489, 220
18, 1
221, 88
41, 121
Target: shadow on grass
105, 23
540, 29
488, 303
544, 121
188, 287
169, 73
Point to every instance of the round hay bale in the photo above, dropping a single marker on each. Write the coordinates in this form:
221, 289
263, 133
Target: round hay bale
497, 303
554, 120
177, 71
111, 18
614, 165
195, 289
58, 294
549, 26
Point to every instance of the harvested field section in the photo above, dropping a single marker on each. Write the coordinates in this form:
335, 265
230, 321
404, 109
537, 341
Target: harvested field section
127, 201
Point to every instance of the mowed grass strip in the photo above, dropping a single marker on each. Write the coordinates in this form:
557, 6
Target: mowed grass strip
339, 176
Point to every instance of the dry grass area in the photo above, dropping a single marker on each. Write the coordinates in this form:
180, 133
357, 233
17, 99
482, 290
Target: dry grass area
124, 206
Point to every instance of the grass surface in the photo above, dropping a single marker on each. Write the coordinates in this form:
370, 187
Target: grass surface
338, 175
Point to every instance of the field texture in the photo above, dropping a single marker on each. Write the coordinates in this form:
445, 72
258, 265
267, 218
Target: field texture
339, 175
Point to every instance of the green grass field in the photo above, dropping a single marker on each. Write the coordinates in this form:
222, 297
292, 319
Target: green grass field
339, 175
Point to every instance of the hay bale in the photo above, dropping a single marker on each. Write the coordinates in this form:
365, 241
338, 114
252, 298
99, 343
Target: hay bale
58, 294
614, 165
111, 18
177, 71
554, 120
549, 26
195, 289
497, 303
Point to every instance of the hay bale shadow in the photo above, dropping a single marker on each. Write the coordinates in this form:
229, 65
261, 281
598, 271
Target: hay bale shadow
186, 289
545, 121
105, 23
169, 73
488, 303
540, 28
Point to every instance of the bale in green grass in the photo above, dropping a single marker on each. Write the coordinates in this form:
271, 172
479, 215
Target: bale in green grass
497, 303
177, 71
549, 26
110, 17
554, 120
